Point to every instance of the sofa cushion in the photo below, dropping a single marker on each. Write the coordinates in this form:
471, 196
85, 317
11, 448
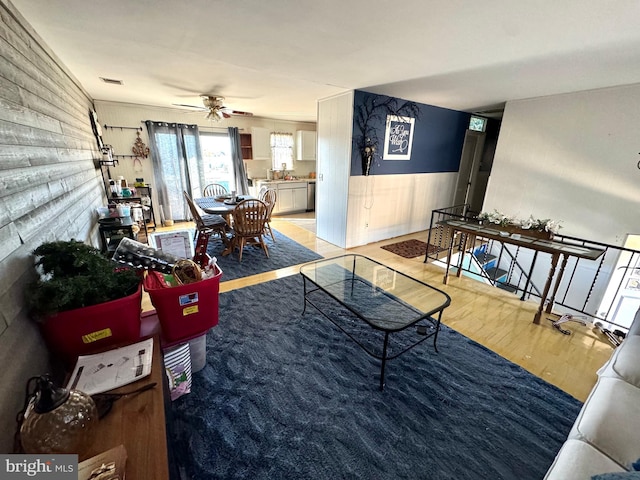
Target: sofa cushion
617, 476
610, 422
625, 362
634, 329
579, 460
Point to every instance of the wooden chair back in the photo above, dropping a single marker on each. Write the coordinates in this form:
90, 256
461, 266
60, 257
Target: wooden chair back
270, 197
197, 218
249, 218
214, 190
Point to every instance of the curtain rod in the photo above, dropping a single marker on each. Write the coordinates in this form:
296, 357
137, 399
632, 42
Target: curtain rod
203, 126
122, 128
219, 128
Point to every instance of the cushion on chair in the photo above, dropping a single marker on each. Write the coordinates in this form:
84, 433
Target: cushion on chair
607, 422
579, 460
212, 220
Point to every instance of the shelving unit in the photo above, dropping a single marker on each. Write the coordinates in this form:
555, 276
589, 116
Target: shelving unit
245, 146
143, 197
112, 233
149, 215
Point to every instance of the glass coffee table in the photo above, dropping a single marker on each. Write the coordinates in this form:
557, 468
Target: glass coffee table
382, 310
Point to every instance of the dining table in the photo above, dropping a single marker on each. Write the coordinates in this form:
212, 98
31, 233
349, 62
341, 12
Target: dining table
224, 206
219, 205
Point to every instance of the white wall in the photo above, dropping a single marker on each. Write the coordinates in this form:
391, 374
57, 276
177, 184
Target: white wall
572, 158
335, 123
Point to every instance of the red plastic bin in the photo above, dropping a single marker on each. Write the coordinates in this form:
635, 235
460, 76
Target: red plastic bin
185, 311
85, 330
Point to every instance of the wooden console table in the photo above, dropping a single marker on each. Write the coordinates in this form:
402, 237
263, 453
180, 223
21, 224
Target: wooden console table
555, 249
138, 422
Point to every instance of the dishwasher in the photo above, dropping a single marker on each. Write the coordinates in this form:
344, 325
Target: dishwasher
311, 196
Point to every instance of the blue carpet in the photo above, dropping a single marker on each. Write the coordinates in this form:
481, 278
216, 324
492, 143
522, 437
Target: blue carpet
284, 252
287, 396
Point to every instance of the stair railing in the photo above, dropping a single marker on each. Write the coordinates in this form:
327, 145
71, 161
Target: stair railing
585, 286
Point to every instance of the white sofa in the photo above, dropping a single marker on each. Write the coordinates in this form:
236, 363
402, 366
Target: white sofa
605, 437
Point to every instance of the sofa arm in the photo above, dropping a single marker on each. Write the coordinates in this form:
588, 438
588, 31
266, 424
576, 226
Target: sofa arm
579, 460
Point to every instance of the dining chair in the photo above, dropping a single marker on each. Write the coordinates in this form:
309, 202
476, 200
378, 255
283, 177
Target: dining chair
206, 225
269, 197
249, 218
214, 190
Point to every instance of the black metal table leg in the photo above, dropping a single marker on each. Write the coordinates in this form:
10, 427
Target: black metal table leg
384, 359
304, 298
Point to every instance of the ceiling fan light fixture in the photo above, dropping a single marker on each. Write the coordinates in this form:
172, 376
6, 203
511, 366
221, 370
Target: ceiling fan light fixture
214, 115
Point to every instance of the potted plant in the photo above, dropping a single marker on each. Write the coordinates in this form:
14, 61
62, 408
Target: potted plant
83, 300
538, 228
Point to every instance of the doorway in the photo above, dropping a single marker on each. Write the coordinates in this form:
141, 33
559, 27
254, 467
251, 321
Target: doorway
476, 161
469, 168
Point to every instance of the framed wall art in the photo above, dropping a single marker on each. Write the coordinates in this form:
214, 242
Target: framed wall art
398, 138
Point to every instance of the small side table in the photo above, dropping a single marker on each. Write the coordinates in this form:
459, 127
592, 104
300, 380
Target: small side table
112, 232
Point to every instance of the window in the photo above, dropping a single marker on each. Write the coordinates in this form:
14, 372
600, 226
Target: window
282, 151
217, 163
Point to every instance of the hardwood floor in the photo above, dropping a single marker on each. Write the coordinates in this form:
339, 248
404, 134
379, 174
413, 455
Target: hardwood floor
492, 317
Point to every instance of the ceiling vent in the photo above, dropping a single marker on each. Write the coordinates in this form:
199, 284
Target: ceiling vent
112, 81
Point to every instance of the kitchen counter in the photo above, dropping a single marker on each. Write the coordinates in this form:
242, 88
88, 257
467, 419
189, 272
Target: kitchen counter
263, 181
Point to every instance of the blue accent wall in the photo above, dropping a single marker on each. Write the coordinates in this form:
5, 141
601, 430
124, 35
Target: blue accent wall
437, 140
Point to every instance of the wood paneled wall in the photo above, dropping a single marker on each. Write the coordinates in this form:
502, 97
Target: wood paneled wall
49, 189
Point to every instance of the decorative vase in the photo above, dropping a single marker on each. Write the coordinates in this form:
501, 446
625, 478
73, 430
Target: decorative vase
367, 159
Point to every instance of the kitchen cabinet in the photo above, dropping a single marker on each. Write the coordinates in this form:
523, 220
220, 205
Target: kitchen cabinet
305, 145
292, 197
245, 146
261, 143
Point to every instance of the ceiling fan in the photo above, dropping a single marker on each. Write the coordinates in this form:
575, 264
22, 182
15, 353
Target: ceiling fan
216, 111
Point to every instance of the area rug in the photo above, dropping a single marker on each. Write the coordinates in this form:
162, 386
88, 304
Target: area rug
411, 248
284, 252
285, 395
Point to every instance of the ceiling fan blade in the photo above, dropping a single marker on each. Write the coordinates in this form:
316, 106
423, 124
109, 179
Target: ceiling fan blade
188, 106
230, 111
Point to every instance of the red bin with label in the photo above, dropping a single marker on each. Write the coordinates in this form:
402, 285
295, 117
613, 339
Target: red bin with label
184, 311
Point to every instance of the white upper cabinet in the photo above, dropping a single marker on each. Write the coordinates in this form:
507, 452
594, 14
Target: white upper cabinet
261, 143
305, 145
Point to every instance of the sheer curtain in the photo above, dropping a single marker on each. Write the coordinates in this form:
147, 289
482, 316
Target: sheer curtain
242, 187
176, 155
282, 150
